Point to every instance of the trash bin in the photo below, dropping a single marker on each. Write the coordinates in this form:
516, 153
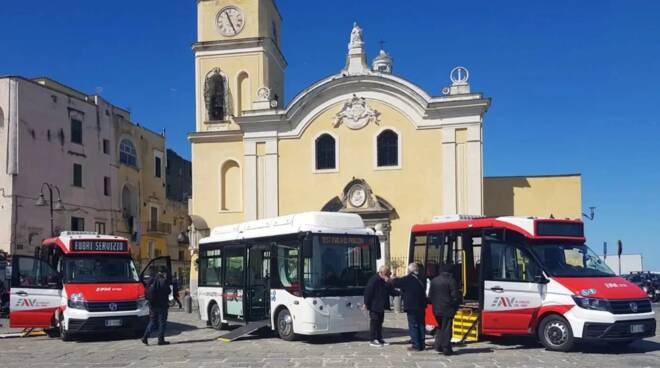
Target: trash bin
187, 303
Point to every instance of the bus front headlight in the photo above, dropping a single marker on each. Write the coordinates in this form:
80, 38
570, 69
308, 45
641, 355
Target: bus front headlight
77, 301
142, 303
591, 303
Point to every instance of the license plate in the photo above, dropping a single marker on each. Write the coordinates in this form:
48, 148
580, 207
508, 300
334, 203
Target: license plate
636, 329
113, 322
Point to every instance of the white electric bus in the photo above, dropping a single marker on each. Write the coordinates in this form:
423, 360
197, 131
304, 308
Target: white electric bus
301, 274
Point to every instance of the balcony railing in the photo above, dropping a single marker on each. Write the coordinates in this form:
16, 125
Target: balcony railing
156, 227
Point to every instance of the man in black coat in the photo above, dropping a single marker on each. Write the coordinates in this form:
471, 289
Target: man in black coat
376, 301
413, 287
444, 296
158, 292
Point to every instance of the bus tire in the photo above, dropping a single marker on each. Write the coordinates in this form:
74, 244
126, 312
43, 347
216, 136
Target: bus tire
284, 323
65, 336
555, 333
215, 317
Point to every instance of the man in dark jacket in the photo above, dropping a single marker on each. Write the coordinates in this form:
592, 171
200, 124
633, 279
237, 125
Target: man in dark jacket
414, 299
158, 292
376, 301
444, 296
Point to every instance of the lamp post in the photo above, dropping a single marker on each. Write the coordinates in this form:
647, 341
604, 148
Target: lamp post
41, 201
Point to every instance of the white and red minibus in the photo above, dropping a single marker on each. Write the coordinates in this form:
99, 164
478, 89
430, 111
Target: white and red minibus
81, 282
533, 276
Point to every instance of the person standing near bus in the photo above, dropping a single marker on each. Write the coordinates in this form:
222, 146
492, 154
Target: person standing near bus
175, 290
443, 294
158, 292
376, 301
414, 300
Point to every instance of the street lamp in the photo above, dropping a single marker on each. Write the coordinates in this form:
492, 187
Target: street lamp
58, 206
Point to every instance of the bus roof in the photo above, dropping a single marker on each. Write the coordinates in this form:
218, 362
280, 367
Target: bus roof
317, 222
88, 242
531, 227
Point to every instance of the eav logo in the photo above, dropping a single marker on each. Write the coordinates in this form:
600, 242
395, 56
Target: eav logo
503, 301
26, 302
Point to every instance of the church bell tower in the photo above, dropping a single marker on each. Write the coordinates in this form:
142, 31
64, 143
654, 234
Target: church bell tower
238, 62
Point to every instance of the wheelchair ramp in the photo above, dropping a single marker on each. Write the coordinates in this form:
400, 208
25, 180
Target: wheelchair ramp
244, 330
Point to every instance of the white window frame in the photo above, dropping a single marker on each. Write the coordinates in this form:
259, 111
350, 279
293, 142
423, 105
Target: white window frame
137, 152
399, 150
325, 171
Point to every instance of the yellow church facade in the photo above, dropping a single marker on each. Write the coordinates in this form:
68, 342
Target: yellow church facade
363, 141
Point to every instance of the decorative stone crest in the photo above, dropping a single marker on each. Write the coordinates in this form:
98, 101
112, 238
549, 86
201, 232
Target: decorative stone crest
263, 94
356, 114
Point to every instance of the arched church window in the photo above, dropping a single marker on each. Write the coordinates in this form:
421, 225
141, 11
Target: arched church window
388, 148
230, 186
215, 95
127, 153
325, 152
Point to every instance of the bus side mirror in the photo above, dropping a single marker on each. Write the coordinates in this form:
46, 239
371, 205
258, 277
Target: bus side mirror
540, 279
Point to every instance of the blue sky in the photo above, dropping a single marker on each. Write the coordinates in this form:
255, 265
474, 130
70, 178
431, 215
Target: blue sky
574, 83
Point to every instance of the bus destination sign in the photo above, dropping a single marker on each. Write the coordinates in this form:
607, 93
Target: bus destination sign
112, 246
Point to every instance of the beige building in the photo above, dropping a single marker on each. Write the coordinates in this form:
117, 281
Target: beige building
364, 140
108, 174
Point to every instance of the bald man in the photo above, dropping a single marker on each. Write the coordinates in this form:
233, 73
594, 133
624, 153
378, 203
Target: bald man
376, 301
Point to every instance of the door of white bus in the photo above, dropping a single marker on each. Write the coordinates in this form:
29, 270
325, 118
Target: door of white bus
233, 292
35, 294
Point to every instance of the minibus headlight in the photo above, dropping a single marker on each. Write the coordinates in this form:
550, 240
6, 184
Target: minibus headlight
77, 301
591, 303
142, 303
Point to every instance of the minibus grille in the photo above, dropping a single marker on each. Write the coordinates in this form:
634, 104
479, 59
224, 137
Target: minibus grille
107, 307
630, 306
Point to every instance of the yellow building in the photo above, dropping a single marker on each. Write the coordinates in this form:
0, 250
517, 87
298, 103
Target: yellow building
364, 140
141, 184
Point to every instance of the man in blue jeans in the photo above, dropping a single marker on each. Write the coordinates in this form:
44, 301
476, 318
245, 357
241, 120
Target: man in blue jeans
413, 287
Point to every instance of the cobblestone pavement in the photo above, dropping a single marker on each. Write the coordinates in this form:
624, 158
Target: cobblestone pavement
194, 345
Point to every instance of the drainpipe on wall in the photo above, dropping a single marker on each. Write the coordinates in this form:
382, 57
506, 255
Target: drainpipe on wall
12, 157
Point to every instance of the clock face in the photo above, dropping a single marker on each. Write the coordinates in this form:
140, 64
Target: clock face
358, 197
230, 21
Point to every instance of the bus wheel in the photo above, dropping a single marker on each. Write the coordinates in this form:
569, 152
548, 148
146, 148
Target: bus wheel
65, 336
555, 333
285, 325
215, 318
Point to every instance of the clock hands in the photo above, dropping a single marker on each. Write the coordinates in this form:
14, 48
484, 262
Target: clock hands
230, 22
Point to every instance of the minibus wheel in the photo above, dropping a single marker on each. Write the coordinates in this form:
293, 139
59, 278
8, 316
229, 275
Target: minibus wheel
65, 336
215, 317
555, 333
285, 325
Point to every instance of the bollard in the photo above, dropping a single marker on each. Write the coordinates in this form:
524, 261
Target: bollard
187, 303
397, 304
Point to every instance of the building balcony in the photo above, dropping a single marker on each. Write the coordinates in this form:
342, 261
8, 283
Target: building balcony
152, 227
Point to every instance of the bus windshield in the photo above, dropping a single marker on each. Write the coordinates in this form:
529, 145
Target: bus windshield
338, 262
98, 269
570, 260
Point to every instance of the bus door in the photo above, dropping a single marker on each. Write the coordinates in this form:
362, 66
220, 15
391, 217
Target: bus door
258, 283
35, 294
233, 292
513, 288
156, 265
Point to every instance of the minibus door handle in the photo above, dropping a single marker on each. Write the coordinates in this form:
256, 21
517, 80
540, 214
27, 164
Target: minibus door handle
21, 293
497, 289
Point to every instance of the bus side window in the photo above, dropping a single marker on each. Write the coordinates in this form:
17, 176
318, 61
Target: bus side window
211, 268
